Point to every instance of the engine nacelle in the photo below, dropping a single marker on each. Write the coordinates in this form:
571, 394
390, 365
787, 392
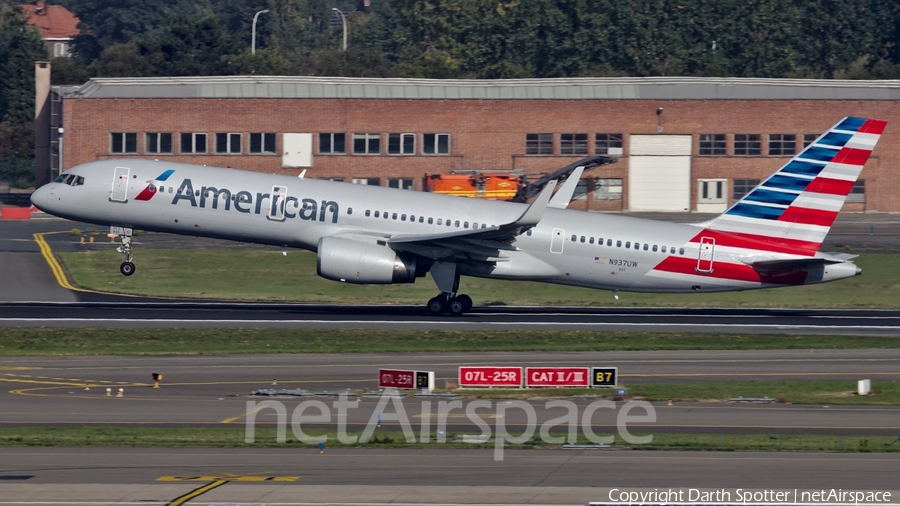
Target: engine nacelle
363, 263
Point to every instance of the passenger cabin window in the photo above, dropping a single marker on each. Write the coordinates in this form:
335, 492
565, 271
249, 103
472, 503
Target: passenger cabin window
645, 246
377, 214
654, 248
627, 244
618, 244
681, 251
574, 237
609, 242
368, 212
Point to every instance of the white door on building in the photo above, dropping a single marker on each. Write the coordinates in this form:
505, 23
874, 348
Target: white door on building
297, 151
659, 173
712, 195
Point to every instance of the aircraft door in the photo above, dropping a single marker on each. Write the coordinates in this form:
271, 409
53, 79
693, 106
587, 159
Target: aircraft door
119, 190
707, 249
557, 240
276, 203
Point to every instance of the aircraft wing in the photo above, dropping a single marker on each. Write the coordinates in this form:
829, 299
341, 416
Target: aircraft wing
562, 198
481, 244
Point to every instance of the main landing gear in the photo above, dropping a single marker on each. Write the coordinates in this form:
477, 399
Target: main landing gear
127, 267
446, 277
447, 303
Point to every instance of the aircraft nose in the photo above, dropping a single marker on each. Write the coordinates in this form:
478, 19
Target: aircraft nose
41, 197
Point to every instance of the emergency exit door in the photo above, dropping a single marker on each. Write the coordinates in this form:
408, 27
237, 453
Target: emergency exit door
119, 190
557, 240
707, 250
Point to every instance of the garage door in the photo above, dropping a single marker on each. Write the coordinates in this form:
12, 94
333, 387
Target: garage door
659, 173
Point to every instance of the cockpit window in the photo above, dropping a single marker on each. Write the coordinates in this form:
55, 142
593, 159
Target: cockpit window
60, 178
79, 180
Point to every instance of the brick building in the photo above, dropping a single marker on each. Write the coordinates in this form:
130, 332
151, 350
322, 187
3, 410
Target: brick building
684, 144
58, 26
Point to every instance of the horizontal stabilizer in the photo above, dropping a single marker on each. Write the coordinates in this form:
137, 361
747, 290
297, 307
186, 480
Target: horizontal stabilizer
768, 263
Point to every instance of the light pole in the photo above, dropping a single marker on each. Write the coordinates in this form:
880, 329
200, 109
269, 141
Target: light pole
255, 17
343, 23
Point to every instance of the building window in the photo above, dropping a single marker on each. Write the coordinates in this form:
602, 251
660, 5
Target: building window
158, 142
228, 143
193, 143
538, 144
782, 144
741, 187
712, 144
858, 192
573, 144
436, 144
747, 145
60, 49
581, 190
809, 139
371, 181
401, 144
332, 144
608, 189
366, 144
402, 183
262, 143
123, 142
608, 144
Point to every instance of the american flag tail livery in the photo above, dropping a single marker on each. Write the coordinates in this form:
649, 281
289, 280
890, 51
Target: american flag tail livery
792, 211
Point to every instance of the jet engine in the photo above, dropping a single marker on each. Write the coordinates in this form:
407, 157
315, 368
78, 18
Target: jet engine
363, 263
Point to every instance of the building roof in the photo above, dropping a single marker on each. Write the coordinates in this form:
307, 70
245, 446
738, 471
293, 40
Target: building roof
54, 21
587, 88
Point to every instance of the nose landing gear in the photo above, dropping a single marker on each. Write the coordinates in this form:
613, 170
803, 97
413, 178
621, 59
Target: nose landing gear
127, 267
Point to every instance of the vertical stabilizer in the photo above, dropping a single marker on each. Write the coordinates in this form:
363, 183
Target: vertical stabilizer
796, 206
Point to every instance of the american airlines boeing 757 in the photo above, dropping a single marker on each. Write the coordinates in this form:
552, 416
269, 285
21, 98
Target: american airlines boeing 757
375, 235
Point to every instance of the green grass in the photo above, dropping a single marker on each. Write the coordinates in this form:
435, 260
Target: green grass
266, 275
265, 437
23, 341
832, 392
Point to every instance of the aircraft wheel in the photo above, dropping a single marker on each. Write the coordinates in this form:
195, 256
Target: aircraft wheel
127, 268
457, 307
467, 301
437, 305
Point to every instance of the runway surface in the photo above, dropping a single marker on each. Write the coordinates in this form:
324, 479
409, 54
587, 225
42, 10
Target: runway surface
254, 315
372, 476
214, 390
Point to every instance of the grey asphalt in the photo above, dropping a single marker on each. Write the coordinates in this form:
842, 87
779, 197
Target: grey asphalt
438, 476
214, 390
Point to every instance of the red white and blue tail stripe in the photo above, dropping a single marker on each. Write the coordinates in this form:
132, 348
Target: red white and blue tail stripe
795, 207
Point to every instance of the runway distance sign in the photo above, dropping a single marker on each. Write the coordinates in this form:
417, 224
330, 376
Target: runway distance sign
396, 378
604, 376
478, 376
557, 377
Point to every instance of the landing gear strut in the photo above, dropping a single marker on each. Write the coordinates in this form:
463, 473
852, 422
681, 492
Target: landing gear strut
446, 276
127, 267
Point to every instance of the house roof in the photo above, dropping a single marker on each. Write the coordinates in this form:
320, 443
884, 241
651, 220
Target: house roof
601, 88
54, 21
